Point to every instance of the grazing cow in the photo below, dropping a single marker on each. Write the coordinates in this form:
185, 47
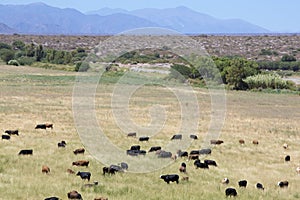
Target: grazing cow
40, 126
193, 157
26, 152
205, 151
216, 142
241, 141
164, 154
194, 152
112, 169
211, 162
225, 181
199, 164
230, 192
177, 137
298, 170
285, 145
170, 178
255, 142
74, 195
133, 134
52, 198
49, 125
5, 137
91, 184
136, 152
101, 198
185, 178
81, 163
287, 158
142, 139
62, 144
182, 168
283, 184
243, 183
182, 153
259, 186
12, 132
154, 149
79, 151
84, 175
124, 165
45, 169
70, 171
135, 147
194, 137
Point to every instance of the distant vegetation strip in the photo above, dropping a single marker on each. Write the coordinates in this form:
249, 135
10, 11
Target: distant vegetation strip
237, 73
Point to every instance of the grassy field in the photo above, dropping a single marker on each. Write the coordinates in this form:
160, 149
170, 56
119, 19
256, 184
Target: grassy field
30, 96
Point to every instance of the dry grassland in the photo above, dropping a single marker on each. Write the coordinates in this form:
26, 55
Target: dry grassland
30, 96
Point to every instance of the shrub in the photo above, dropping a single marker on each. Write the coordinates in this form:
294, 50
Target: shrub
24, 60
82, 66
264, 81
7, 55
288, 58
13, 62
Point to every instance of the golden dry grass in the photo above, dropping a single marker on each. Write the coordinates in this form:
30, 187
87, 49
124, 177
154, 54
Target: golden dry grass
30, 96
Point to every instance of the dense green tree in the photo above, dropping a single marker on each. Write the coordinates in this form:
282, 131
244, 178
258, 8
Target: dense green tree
39, 53
18, 45
7, 55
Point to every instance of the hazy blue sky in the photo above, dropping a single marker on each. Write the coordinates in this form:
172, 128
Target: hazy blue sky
275, 15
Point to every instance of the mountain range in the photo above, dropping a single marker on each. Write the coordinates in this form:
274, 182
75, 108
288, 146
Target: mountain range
39, 18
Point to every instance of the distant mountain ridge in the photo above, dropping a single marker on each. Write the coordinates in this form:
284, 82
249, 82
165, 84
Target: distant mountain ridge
39, 18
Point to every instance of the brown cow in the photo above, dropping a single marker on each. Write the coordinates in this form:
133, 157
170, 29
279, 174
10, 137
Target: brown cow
74, 195
241, 141
255, 142
101, 198
131, 134
49, 125
81, 163
216, 142
70, 171
185, 178
79, 151
45, 169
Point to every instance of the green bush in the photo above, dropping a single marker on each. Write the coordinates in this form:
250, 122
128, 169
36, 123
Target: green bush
24, 60
264, 81
13, 62
82, 66
7, 55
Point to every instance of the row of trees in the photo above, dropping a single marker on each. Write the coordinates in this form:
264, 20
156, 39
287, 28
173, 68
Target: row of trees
18, 53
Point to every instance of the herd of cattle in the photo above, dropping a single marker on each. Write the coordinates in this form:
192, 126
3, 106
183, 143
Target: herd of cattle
135, 150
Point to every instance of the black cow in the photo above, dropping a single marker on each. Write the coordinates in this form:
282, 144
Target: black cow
12, 132
155, 148
243, 183
199, 164
62, 144
142, 139
52, 198
164, 154
133, 134
182, 153
287, 158
124, 165
211, 162
112, 169
170, 178
135, 147
26, 152
79, 151
194, 137
177, 137
205, 151
259, 186
194, 152
283, 184
230, 192
84, 175
5, 137
135, 152
182, 168
40, 126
